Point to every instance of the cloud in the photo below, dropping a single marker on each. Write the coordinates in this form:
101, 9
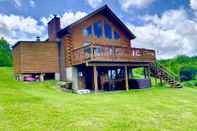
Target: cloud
126, 4
70, 17
18, 3
32, 3
95, 3
15, 28
66, 19
171, 34
193, 4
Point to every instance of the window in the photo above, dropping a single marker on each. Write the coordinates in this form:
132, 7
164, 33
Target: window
108, 30
116, 35
87, 31
98, 29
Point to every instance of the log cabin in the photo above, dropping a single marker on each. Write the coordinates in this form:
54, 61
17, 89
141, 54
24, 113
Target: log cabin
95, 53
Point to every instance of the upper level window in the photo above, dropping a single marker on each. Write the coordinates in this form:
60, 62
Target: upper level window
116, 35
87, 31
127, 38
98, 29
108, 30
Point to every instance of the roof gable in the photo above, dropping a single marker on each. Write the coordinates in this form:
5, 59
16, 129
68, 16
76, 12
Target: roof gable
106, 11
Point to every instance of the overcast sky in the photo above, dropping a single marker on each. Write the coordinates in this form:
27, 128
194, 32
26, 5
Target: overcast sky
168, 26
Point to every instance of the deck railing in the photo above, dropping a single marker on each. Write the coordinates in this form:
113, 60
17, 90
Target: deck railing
96, 52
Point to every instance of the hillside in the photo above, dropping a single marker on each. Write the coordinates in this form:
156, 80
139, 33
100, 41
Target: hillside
43, 106
176, 63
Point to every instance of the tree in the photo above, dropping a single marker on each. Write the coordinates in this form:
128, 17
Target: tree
5, 53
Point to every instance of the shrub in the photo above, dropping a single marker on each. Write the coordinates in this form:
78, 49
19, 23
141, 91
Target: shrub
188, 73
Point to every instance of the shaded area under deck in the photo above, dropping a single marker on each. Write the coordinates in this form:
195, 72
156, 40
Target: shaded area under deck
99, 76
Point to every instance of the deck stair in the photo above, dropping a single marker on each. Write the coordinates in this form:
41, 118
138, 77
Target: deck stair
159, 71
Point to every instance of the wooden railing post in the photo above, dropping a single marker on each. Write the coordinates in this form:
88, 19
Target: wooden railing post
145, 72
92, 51
112, 53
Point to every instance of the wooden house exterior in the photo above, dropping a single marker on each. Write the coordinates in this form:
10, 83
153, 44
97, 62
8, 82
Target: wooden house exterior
95, 52
35, 57
96, 45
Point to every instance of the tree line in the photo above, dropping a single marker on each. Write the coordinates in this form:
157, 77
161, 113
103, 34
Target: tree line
5, 53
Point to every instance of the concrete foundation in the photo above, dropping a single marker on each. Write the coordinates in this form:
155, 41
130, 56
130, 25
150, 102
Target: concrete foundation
57, 76
42, 77
19, 77
72, 76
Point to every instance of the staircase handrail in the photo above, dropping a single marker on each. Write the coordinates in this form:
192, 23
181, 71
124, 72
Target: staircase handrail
172, 74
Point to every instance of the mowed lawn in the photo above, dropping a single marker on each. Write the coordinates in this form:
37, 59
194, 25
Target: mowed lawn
43, 106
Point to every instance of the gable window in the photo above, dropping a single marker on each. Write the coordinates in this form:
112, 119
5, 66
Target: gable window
87, 31
98, 29
116, 35
107, 30
127, 38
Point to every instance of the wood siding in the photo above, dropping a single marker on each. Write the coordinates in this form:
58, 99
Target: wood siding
78, 38
17, 59
36, 57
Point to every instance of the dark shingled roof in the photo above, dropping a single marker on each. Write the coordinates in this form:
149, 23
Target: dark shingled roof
107, 12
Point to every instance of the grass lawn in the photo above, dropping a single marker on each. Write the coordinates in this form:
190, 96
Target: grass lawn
43, 106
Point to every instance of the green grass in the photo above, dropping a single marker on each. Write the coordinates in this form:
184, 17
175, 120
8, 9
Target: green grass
43, 106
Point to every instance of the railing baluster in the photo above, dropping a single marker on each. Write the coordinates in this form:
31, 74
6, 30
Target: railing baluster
94, 51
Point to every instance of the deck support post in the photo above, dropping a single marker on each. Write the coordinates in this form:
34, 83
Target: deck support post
148, 72
155, 81
145, 72
126, 78
161, 83
95, 79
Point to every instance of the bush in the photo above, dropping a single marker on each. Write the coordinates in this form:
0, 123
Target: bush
188, 73
195, 84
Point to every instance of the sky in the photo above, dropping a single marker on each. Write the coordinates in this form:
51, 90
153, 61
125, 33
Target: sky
168, 26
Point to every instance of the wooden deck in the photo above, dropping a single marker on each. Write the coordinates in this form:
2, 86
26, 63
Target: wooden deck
103, 53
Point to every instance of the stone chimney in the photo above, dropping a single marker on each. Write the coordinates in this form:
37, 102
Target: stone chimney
53, 28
